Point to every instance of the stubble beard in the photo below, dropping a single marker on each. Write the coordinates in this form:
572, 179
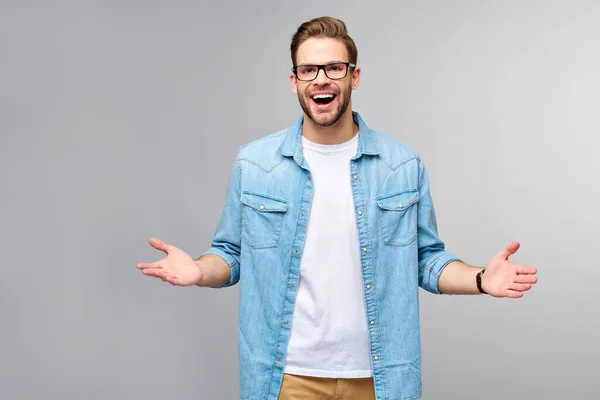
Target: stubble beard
327, 122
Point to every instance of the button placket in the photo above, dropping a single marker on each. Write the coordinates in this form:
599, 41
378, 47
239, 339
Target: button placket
364, 249
286, 321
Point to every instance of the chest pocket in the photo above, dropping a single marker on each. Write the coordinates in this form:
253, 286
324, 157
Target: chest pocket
398, 217
262, 218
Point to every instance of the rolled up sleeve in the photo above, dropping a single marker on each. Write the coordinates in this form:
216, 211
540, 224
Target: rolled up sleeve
226, 242
433, 257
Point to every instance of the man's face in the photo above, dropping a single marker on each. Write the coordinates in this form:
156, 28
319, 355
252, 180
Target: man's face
324, 100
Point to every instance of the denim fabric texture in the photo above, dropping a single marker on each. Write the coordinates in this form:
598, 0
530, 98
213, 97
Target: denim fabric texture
261, 234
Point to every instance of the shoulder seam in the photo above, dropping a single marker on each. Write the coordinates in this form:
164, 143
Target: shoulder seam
257, 165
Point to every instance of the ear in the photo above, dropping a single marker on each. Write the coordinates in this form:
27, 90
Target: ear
355, 78
294, 83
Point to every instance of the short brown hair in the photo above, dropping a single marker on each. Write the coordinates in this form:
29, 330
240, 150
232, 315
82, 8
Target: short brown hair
324, 27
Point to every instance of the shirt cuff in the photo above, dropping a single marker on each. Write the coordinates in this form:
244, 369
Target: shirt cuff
433, 269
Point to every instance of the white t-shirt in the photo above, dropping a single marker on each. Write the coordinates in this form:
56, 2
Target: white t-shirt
329, 334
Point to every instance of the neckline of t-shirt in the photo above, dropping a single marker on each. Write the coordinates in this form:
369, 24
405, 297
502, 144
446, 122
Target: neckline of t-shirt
330, 148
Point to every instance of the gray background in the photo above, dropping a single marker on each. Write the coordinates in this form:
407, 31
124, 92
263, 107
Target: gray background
119, 121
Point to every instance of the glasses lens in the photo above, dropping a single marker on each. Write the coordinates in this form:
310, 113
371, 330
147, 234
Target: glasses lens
307, 72
335, 71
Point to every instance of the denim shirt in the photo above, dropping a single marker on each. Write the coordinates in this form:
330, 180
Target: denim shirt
261, 236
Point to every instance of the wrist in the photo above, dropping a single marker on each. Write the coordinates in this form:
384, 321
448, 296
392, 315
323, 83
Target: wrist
213, 271
479, 281
201, 273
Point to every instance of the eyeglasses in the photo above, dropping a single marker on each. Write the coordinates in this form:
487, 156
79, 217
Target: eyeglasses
334, 71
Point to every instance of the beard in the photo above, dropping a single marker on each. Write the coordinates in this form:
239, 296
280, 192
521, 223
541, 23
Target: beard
327, 119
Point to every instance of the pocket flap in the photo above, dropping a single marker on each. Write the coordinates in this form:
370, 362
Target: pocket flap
263, 202
399, 201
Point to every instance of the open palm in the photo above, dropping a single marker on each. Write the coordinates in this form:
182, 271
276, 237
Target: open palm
503, 278
177, 268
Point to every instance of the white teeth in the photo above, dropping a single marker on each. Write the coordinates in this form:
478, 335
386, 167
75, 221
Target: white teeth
322, 96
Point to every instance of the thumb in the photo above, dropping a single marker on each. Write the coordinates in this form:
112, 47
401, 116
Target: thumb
509, 250
159, 245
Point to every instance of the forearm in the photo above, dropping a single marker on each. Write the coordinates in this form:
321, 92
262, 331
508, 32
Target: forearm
215, 271
458, 278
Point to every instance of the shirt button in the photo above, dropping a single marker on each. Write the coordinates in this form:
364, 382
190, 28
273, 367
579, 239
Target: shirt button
285, 323
296, 250
365, 249
291, 285
376, 358
368, 286
359, 212
309, 178
355, 177
372, 322
262, 207
400, 205
279, 358
302, 213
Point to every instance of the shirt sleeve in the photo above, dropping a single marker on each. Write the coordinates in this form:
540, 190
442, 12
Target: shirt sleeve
433, 257
226, 242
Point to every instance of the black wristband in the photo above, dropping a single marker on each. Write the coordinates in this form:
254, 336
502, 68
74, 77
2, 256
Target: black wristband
478, 280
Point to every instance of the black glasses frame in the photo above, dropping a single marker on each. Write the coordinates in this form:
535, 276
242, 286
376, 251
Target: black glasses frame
322, 67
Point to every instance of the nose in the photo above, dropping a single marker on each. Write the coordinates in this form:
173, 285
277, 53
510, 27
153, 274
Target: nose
321, 78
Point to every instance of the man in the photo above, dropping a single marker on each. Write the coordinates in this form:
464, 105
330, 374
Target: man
330, 229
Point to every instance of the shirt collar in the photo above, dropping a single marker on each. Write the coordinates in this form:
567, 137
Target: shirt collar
292, 144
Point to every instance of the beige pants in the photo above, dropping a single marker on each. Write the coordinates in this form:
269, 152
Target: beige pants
296, 387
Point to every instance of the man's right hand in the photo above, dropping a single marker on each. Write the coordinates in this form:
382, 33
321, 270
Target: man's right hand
177, 268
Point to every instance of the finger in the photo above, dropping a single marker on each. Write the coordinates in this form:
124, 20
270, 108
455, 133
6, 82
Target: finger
525, 279
144, 266
523, 270
513, 294
159, 245
155, 272
509, 250
521, 287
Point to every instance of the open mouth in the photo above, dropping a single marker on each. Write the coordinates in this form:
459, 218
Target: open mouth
323, 99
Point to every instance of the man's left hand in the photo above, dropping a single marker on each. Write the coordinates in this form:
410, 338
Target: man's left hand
503, 278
